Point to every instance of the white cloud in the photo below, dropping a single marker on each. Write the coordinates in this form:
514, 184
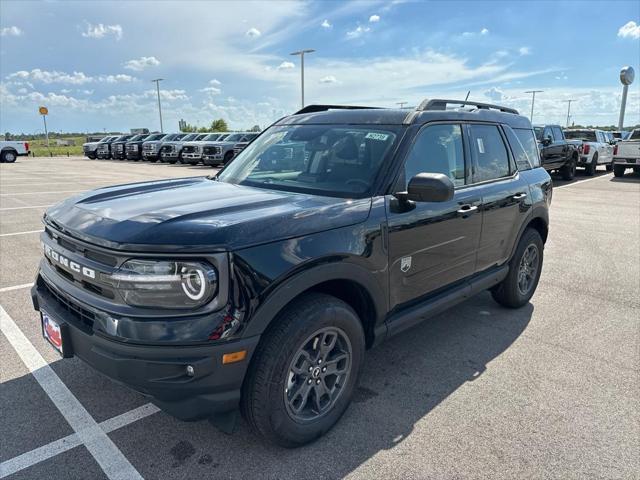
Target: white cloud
328, 79
484, 31
74, 78
211, 90
215, 82
166, 95
141, 63
253, 33
325, 24
524, 51
495, 94
629, 30
562, 76
374, 18
358, 32
100, 31
11, 31
286, 66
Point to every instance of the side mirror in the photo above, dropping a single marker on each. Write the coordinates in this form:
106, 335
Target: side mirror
430, 187
547, 141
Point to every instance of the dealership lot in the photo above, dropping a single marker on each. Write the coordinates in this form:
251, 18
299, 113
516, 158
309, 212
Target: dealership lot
480, 391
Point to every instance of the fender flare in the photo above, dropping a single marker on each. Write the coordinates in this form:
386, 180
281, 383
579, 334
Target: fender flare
538, 212
291, 287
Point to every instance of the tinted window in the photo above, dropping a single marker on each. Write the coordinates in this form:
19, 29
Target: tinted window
490, 153
528, 142
437, 149
588, 135
522, 158
557, 134
547, 134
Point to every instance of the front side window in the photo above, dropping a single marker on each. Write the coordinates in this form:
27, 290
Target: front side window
489, 152
557, 134
332, 160
437, 149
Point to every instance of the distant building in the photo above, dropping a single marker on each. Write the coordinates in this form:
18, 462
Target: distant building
65, 142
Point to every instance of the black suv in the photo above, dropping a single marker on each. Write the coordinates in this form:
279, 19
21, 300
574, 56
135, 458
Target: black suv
262, 287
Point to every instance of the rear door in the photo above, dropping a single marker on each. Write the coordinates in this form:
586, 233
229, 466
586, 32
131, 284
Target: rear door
505, 194
433, 244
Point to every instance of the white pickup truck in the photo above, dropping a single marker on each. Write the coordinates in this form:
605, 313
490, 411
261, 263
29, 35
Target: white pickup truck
594, 148
626, 154
10, 151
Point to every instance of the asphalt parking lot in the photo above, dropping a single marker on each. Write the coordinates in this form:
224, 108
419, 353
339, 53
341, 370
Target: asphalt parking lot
547, 391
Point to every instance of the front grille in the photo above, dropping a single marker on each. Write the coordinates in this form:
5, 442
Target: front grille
189, 149
119, 148
148, 147
167, 148
132, 148
82, 316
211, 150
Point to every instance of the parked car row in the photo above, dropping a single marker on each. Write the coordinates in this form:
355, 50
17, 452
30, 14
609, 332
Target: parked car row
212, 149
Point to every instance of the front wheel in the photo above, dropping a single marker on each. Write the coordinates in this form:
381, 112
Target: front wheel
618, 170
304, 372
8, 156
524, 272
591, 168
569, 170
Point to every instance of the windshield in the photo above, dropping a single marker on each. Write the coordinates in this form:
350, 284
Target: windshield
191, 136
235, 137
211, 137
587, 135
155, 136
635, 135
123, 138
332, 160
538, 131
137, 137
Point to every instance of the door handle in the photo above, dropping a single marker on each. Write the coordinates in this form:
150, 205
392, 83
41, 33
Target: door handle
520, 196
466, 209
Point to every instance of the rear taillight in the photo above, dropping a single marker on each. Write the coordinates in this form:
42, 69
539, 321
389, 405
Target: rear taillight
26, 146
615, 150
585, 148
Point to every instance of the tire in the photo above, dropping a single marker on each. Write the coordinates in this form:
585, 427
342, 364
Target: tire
8, 156
91, 157
569, 169
227, 157
591, 168
618, 170
267, 402
510, 292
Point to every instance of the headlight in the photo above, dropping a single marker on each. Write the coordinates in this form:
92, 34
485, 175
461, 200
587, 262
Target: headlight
165, 284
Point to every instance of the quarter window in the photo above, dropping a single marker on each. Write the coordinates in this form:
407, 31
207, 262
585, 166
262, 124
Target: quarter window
489, 152
528, 142
437, 149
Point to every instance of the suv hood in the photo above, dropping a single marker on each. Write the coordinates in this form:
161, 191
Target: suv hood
198, 214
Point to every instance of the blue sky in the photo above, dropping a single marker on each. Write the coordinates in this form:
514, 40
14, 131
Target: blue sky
91, 63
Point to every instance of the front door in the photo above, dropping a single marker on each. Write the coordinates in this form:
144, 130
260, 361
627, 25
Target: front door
433, 244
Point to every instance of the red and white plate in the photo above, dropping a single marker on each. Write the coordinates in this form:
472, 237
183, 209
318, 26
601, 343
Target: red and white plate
52, 332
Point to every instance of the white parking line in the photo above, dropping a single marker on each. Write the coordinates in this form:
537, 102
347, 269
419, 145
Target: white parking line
39, 193
40, 454
573, 184
22, 208
112, 461
20, 233
16, 287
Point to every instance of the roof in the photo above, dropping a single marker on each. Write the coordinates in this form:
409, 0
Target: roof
427, 111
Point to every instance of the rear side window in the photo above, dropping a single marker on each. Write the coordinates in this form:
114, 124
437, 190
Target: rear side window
519, 153
528, 142
489, 152
438, 149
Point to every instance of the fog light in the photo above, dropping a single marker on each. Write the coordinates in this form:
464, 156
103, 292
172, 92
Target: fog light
190, 371
234, 357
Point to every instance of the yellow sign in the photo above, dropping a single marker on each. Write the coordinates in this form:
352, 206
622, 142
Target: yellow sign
43, 111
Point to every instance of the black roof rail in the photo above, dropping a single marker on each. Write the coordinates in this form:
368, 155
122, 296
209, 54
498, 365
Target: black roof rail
324, 108
440, 104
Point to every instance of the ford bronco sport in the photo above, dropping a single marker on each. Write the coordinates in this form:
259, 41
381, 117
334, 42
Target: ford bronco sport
262, 287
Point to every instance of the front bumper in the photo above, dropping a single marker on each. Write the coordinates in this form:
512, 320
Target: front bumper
212, 160
157, 371
150, 154
103, 155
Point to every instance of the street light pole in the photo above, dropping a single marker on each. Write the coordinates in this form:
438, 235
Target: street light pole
157, 82
533, 101
569, 109
401, 104
301, 53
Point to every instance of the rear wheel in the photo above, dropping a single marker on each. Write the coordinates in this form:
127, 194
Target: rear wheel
524, 272
618, 170
8, 156
609, 167
569, 169
304, 372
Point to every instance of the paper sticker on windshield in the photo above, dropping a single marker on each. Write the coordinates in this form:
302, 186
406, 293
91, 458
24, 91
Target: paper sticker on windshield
377, 136
480, 145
